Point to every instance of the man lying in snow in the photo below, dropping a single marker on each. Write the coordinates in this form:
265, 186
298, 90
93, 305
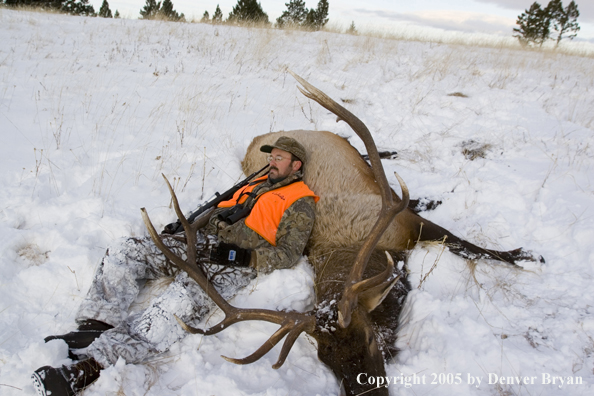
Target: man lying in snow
273, 235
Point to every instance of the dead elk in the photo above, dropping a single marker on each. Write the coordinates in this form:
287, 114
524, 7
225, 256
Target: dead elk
359, 293
350, 200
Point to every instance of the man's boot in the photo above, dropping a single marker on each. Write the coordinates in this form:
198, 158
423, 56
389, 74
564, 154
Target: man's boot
66, 380
86, 333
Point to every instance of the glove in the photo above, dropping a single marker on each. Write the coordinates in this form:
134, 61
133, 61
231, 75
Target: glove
229, 254
171, 227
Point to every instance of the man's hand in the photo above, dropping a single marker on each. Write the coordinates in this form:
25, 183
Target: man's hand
229, 254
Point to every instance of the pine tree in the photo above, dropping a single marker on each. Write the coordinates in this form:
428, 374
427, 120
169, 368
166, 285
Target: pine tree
104, 11
42, 4
295, 14
80, 7
352, 29
316, 19
248, 11
116, 15
150, 9
167, 12
205, 17
534, 25
564, 19
218, 15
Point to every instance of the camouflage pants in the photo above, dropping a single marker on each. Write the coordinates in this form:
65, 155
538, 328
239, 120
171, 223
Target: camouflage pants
118, 281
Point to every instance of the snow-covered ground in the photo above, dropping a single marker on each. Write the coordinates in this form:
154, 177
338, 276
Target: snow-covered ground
92, 111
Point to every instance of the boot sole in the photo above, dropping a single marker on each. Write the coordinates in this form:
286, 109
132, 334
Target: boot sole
38, 384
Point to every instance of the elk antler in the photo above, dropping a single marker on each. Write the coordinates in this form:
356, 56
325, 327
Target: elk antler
292, 323
354, 286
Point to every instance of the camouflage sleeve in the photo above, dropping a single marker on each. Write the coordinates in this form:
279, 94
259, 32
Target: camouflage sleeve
291, 238
212, 226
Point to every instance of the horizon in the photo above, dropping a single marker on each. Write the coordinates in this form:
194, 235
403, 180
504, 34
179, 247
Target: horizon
496, 17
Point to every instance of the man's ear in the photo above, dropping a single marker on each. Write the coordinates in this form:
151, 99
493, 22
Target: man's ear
296, 165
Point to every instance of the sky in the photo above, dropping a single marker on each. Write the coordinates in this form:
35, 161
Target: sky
484, 16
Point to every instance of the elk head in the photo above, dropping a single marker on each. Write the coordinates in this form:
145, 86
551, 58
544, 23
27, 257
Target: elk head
347, 291
363, 345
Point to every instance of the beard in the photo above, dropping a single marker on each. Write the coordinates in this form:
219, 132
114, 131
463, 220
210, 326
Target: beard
279, 178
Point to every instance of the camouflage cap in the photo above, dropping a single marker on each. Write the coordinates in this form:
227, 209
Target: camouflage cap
289, 145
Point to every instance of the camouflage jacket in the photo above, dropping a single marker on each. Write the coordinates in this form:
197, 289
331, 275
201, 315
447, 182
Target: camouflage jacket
292, 235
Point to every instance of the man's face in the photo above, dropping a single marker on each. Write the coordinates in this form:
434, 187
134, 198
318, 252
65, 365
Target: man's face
284, 167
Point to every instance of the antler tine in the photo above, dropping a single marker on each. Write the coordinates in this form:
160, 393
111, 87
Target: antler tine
389, 208
193, 271
263, 350
291, 329
356, 124
289, 341
190, 228
293, 323
369, 283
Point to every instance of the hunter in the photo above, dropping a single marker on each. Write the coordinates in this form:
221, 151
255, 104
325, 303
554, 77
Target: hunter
265, 226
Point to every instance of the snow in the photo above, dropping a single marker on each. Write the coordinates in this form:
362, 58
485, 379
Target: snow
94, 110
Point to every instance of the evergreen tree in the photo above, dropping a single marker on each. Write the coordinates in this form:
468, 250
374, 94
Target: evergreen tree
352, 29
43, 4
116, 15
150, 9
564, 19
167, 12
247, 11
316, 19
72, 7
205, 17
104, 11
294, 15
218, 15
534, 25
80, 7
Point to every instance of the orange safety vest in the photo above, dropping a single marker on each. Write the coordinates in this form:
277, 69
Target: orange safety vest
270, 206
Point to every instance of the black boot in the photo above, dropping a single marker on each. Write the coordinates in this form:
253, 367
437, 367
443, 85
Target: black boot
86, 333
66, 380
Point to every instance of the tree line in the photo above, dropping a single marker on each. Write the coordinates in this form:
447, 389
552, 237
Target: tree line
537, 24
245, 11
72, 7
296, 14
151, 10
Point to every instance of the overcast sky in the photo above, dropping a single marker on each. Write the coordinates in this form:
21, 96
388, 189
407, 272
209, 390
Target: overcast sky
486, 16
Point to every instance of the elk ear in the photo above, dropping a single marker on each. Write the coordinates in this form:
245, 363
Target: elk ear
370, 299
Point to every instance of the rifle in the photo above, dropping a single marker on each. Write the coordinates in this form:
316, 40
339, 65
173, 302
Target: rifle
176, 227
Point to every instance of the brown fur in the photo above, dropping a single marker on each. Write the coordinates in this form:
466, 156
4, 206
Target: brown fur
349, 197
370, 339
350, 201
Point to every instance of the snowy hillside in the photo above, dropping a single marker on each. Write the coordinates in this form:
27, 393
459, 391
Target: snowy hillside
92, 111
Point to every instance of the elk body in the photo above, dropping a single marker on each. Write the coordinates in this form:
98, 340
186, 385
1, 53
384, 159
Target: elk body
361, 227
350, 200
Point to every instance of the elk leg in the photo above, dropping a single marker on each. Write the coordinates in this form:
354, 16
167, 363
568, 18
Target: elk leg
432, 232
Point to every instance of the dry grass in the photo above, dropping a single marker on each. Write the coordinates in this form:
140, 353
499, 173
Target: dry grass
33, 254
472, 149
581, 49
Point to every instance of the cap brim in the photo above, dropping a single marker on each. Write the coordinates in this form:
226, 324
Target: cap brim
266, 148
